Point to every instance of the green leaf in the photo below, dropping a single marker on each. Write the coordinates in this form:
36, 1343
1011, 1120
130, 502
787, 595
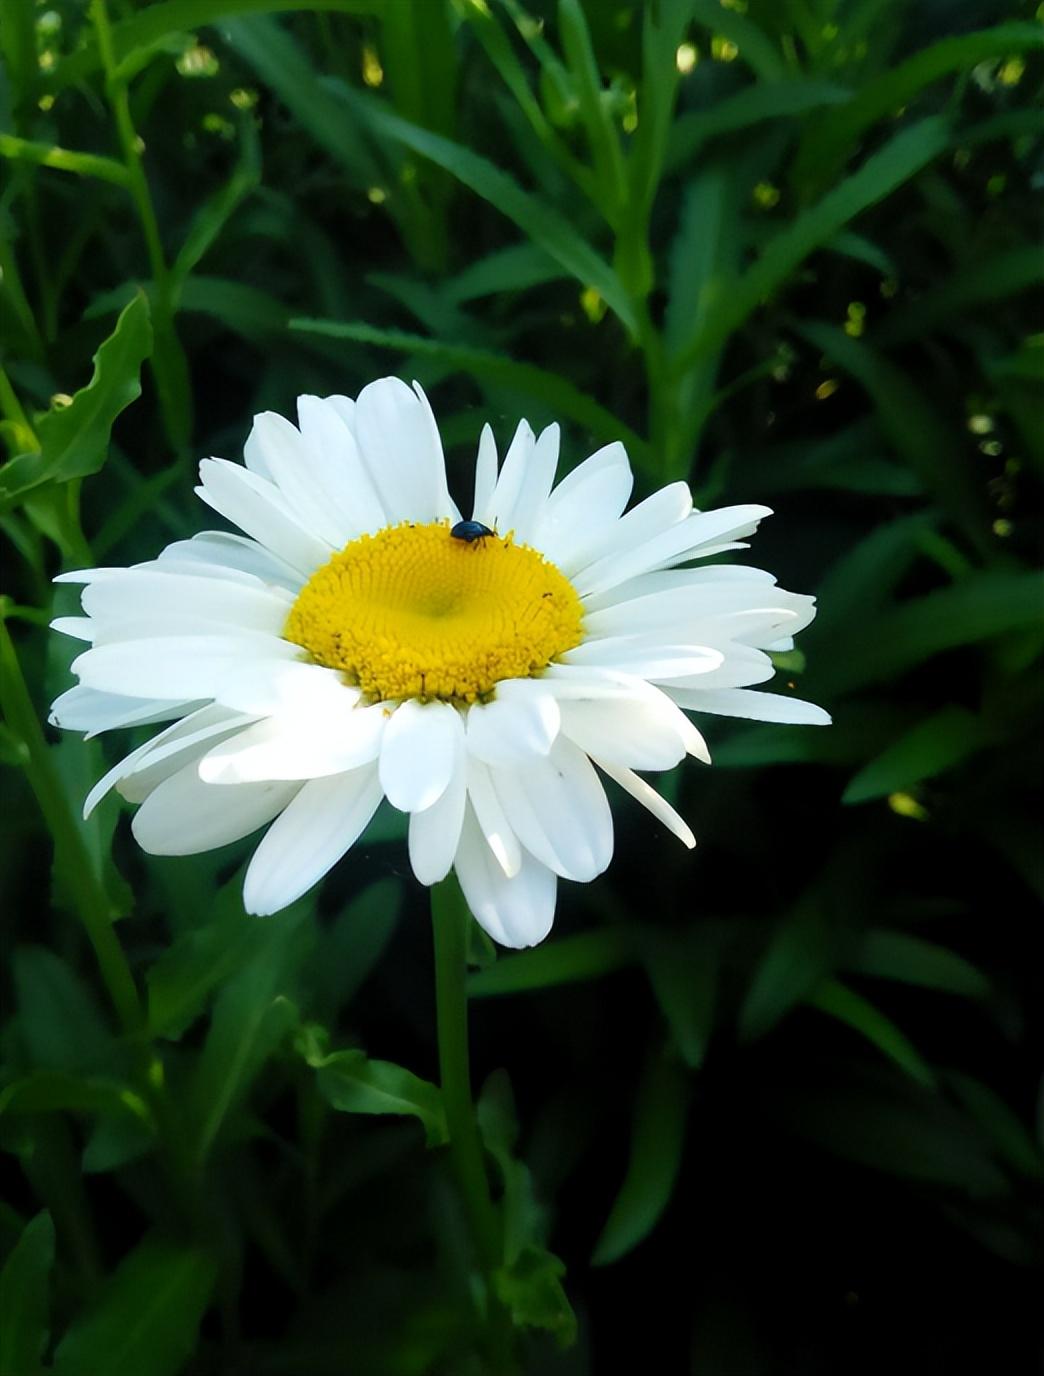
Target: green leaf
64, 159
877, 178
51, 1091
57, 1018
508, 269
980, 607
937, 743
180, 981
251, 1019
602, 137
352, 1083
755, 47
1011, 273
532, 1291
74, 441
827, 141
657, 1138
349, 950
587, 955
553, 391
540, 221
847, 1006
683, 970
25, 1299
800, 952
1012, 1140
753, 105
915, 428
144, 1322
896, 955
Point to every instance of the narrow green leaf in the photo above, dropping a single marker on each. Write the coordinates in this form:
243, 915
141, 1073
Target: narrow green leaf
880, 175
180, 981
64, 159
74, 441
602, 135
683, 970
657, 1139
982, 606
916, 429
25, 1299
847, 1006
350, 949
508, 269
352, 1083
144, 1322
753, 105
800, 952
58, 1021
587, 955
1013, 1141
53, 1091
554, 391
1005, 274
936, 744
540, 221
754, 45
899, 956
827, 141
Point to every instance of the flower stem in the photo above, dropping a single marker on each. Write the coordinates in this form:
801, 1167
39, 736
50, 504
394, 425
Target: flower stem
450, 919
92, 902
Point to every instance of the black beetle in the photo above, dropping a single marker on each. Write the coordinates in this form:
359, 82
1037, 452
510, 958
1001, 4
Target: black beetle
470, 531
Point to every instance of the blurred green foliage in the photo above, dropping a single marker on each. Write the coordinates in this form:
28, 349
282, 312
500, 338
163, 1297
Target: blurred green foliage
776, 1094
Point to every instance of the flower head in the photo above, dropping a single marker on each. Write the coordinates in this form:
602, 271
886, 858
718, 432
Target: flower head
358, 642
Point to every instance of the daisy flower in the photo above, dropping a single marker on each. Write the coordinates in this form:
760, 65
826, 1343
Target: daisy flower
358, 642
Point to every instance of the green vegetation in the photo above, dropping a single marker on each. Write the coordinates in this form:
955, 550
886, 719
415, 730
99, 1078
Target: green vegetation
762, 1108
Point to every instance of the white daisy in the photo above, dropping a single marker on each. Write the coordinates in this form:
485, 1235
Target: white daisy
354, 644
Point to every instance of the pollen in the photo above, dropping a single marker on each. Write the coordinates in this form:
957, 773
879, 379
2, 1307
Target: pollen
412, 612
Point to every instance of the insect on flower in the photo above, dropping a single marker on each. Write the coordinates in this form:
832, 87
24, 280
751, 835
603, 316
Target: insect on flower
470, 531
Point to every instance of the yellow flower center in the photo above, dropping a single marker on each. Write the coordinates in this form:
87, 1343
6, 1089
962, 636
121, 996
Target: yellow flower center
413, 612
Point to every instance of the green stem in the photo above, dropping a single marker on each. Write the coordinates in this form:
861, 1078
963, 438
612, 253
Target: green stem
450, 920
71, 855
168, 363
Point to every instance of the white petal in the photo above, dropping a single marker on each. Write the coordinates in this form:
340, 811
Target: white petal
78, 627
513, 728
648, 657
185, 816
184, 737
344, 479
741, 666
220, 553
583, 507
664, 509
689, 539
323, 821
517, 462
638, 733
739, 702
345, 408
485, 477
445, 506
176, 666
402, 455
536, 484
516, 911
259, 509
296, 748
435, 833
85, 709
287, 687
176, 597
649, 798
491, 818
418, 753
558, 810
277, 450
669, 580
